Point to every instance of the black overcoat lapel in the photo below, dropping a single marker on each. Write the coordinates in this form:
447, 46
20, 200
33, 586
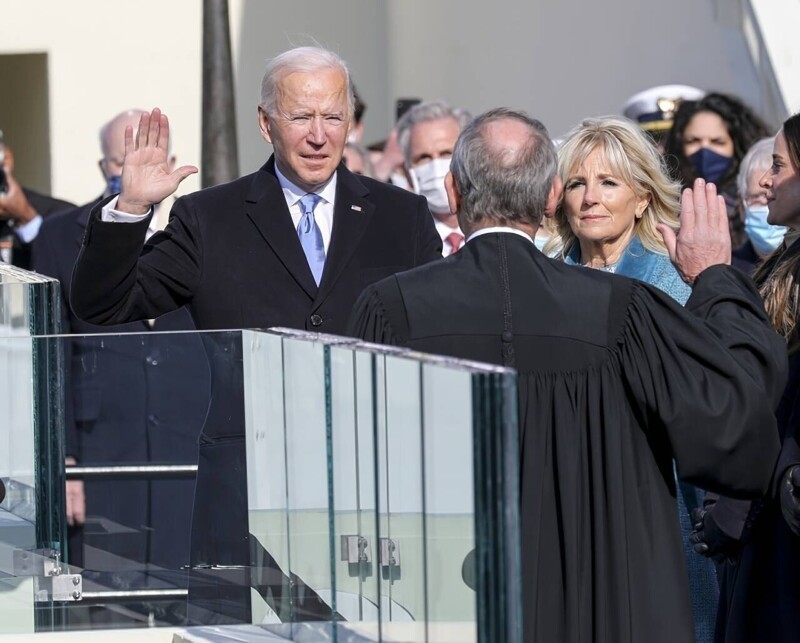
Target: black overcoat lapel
267, 209
351, 218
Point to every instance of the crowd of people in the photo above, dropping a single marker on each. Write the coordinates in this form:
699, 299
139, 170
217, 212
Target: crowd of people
641, 274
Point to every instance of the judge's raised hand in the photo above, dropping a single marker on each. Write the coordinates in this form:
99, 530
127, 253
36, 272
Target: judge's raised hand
703, 239
147, 177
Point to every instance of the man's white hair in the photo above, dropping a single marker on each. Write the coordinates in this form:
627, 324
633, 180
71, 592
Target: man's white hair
304, 60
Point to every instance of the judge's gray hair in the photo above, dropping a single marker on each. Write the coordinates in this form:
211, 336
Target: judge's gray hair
301, 60
431, 110
499, 184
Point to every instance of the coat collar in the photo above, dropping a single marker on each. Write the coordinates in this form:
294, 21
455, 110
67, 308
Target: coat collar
267, 209
636, 261
352, 213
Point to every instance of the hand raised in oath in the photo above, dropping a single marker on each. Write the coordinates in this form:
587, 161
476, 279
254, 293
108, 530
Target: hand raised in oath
147, 177
703, 239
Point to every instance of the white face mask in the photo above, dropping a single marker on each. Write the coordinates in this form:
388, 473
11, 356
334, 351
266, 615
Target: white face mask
764, 237
428, 180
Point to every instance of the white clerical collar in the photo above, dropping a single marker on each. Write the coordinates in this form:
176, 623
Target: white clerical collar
493, 229
293, 193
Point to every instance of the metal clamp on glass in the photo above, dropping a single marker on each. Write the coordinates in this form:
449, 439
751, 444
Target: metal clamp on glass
51, 582
356, 549
390, 552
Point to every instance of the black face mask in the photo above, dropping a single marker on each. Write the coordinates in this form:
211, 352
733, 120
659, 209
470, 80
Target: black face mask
114, 184
710, 165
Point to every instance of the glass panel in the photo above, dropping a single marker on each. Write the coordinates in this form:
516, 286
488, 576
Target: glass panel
18, 480
267, 475
449, 496
137, 404
402, 551
497, 560
353, 470
31, 459
307, 486
30, 303
342, 440
365, 400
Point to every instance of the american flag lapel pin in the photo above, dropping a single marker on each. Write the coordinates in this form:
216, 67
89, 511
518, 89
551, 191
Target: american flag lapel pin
357, 208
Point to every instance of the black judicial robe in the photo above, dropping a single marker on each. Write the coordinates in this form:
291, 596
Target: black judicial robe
615, 380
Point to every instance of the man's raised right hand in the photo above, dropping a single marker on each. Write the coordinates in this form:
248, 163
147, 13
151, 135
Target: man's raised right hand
146, 174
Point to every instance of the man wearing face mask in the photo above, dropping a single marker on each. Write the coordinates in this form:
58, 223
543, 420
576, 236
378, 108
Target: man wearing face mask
110, 164
113, 148
427, 134
135, 424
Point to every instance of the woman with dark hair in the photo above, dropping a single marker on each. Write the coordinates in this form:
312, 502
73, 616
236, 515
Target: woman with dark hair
708, 140
760, 594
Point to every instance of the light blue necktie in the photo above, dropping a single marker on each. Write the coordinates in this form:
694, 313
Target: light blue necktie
310, 236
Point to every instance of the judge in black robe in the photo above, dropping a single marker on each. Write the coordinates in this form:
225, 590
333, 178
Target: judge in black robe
615, 380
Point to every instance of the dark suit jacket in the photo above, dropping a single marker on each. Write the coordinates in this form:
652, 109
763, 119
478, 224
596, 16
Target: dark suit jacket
231, 254
54, 253
45, 206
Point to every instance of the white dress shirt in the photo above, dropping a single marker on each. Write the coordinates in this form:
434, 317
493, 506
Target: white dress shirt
444, 230
27, 232
157, 223
323, 213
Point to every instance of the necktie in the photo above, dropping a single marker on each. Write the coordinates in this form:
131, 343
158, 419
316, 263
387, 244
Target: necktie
455, 239
311, 237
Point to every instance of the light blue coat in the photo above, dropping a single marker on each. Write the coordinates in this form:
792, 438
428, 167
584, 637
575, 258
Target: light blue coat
656, 269
645, 265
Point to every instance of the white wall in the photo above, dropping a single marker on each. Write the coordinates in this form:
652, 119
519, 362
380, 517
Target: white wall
558, 60
355, 29
105, 57
777, 46
562, 61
